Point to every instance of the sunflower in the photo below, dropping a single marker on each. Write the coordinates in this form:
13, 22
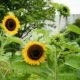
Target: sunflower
34, 53
11, 24
64, 10
58, 39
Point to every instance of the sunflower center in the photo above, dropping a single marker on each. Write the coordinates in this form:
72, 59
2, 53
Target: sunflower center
57, 39
10, 24
35, 52
65, 9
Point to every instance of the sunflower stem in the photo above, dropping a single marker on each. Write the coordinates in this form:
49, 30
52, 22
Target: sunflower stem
55, 67
59, 23
2, 34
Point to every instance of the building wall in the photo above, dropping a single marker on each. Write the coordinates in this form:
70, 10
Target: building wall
64, 22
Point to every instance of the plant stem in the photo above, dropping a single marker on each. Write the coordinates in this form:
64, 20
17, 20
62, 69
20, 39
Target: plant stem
55, 67
2, 34
59, 23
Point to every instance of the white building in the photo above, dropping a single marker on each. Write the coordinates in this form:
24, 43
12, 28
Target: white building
74, 6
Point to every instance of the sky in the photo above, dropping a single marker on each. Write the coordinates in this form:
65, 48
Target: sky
74, 5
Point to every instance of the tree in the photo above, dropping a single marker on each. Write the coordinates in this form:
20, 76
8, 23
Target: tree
31, 13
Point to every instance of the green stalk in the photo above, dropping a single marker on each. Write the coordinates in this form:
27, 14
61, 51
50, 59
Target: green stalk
59, 23
55, 59
2, 46
55, 66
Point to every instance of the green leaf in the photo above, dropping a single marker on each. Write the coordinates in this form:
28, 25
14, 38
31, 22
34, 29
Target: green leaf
78, 40
19, 65
34, 35
0, 24
15, 3
22, 66
51, 50
38, 34
14, 39
73, 28
67, 76
73, 60
56, 5
41, 35
28, 40
44, 32
5, 57
23, 25
72, 46
24, 77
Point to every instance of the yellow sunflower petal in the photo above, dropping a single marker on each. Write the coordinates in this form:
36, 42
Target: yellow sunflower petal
33, 61
16, 21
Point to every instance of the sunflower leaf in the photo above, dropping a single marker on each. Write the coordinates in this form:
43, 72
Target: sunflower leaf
41, 35
18, 64
66, 76
72, 46
15, 39
5, 57
56, 5
73, 60
44, 32
73, 28
78, 40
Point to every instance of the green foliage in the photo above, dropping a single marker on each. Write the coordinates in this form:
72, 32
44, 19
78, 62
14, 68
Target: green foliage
73, 28
72, 46
11, 44
31, 13
78, 40
56, 5
67, 76
20, 66
73, 33
63, 55
77, 22
61, 8
17, 64
73, 60
41, 35
15, 39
